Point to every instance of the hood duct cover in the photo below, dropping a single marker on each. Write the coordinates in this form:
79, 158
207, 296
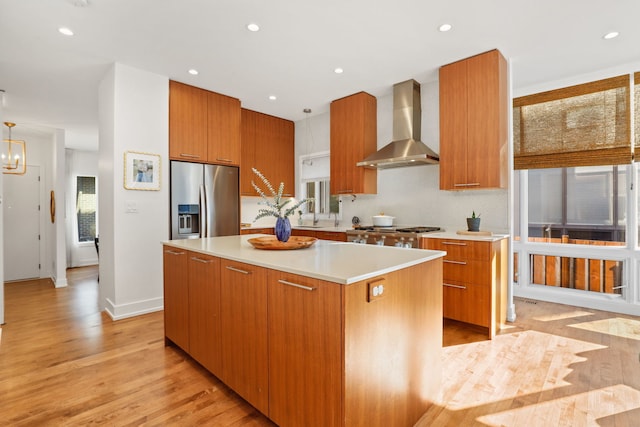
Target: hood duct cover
406, 149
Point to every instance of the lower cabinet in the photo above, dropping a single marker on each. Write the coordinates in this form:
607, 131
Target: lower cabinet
338, 236
474, 281
304, 334
243, 322
176, 297
204, 311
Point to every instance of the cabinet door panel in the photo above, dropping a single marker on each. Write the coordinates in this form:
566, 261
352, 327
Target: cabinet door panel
453, 125
353, 137
243, 316
466, 302
470, 271
305, 351
187, 122
176, 297
204, 311
223, 129
483, 156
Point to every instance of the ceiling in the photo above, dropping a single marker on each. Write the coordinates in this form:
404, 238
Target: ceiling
51, 80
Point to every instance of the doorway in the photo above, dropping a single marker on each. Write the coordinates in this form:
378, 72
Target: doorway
22, 225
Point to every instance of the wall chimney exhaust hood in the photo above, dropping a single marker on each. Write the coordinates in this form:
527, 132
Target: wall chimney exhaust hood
406, 148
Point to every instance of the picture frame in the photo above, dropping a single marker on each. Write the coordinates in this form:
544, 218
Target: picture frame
141, 171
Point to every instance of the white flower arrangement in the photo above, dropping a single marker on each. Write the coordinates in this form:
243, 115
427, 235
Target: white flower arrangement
275, 204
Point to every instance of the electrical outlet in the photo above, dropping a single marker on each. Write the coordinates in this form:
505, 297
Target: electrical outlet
376, 290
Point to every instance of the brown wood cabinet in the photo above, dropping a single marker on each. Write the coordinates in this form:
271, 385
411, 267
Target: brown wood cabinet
223, 129
187, 122
338, 236
204, 126
243, 322
176, 297
307, 352
353, 137
474, 123
304, 321
267, 145
204, 311
266, 230
474, 281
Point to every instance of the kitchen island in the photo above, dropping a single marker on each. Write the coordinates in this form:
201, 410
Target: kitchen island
337, 334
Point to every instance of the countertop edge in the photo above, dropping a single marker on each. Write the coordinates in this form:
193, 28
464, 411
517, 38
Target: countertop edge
427, 255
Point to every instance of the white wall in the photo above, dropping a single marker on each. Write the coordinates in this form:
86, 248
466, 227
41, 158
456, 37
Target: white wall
411, 194
78, 163
133, 114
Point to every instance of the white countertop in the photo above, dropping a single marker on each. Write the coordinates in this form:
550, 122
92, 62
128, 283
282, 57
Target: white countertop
338, 262
446, 234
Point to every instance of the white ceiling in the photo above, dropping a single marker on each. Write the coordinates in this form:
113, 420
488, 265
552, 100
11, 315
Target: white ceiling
51, 80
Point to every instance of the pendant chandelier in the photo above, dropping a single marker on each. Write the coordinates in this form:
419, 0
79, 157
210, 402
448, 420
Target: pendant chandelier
14, 154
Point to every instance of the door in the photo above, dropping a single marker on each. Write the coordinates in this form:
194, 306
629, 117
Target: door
22, 225
222, 200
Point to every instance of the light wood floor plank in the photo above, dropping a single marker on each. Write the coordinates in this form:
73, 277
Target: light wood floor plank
64, 363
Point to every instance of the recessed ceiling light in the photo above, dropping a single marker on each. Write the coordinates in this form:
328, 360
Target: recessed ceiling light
253, 27
338, 70
272, 97
611, 35
444, 27
66, 31
193, 72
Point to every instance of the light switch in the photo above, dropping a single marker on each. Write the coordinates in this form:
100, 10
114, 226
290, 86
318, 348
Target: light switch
132, 207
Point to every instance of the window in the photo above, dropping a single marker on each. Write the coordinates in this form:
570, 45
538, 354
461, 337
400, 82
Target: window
574, 146
579, 203
314, 175
86, 204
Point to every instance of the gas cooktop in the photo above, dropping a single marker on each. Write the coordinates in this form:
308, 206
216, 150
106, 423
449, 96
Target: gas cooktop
398, 229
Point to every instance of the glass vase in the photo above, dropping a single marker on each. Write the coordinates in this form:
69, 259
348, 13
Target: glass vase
283, 229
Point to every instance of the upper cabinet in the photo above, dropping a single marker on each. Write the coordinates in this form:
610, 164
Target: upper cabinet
473, 123
268, 146
204, 126
223, 129
353, 137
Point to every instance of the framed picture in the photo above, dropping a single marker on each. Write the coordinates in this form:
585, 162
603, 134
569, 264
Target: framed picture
141, 171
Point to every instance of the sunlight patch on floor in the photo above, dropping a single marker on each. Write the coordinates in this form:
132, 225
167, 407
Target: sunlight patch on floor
500, 362
619, 327
561, 316
583, 408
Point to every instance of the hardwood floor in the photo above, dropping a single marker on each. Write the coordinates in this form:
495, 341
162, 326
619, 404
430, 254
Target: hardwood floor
64, 363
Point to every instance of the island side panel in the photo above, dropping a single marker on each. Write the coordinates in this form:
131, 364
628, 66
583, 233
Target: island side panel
393, 346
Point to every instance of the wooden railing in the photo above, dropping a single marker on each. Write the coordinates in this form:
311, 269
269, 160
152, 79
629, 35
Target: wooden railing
590, 274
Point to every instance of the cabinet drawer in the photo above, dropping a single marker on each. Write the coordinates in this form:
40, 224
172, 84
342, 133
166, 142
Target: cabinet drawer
331, 235
466, 271
466, 303
461, 249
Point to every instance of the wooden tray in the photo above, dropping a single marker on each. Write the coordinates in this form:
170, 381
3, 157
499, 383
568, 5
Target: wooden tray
272, 243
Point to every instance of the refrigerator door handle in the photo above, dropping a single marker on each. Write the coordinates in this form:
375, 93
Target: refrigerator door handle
203, 212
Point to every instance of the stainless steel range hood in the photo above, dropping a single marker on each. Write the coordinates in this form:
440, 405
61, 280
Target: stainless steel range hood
406, 148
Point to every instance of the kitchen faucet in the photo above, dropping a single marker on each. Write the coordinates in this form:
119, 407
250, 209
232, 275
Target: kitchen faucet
335, 221
312, 207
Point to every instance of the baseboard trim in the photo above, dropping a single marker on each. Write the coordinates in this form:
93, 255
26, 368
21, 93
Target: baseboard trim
132, 309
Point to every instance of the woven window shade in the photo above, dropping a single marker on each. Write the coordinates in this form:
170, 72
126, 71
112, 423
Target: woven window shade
583, 125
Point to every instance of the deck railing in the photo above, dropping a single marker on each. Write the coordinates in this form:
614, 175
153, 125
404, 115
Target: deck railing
589, 274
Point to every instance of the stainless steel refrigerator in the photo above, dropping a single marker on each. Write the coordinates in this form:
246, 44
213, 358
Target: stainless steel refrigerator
205, 200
